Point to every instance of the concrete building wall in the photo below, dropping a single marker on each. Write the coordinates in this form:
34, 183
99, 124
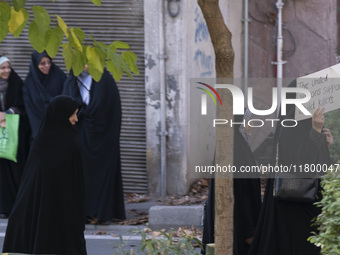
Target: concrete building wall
309, 37
309, 45
189, 54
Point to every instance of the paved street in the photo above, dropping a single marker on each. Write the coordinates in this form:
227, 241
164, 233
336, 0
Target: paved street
105, 239
100, 240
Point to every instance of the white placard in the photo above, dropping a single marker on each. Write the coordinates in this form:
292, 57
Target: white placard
324, 86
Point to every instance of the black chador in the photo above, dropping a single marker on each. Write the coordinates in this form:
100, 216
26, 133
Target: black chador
39, 89
99, 130
48, 216
284, 226
247, 199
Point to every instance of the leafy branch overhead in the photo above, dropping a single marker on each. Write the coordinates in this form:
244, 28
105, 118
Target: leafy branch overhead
97, 55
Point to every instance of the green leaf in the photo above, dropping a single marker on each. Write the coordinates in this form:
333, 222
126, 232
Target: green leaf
63, 26
113, 48
131, 59
68, 56
102, 54
79, 33
5, 13
54, 38
96, 2
37, 31
95, 73
113, 57
42, 18
75, 40
96, 69
124, 66
149, 246
121, 45
18, 4
17, 21
116, 72
36, 36
101, 46
78, 62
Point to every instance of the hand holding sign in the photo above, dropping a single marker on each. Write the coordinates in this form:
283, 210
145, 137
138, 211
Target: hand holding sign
318, 120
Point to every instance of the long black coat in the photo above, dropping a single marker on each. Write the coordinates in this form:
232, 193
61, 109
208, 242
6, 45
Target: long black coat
48, 216
99, 130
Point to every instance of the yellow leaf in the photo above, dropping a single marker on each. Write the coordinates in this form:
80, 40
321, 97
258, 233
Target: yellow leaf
63, 26
76, 41
94, 59
16, 20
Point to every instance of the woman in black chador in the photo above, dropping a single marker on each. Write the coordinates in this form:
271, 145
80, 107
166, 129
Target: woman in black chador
247, 197
284, 226
11, 102
44, 81
99, 130
48, 214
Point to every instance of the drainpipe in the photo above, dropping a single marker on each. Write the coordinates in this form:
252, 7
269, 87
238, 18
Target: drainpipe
245, 68
279, 63
163, 133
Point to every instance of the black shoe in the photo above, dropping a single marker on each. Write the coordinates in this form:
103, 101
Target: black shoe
3, 216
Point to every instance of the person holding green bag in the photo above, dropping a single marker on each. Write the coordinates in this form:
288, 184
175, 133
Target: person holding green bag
11, 104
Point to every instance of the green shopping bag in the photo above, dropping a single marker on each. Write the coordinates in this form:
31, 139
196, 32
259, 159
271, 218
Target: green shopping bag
9, 137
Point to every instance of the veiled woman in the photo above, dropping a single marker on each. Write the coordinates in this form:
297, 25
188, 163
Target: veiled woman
247, 196
44, 81
48, 216
99, 130
11, 102
284, 226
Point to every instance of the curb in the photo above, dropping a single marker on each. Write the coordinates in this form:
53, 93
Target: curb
175, 216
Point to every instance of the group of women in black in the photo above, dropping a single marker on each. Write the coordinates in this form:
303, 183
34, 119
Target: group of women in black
274, 226
67, 171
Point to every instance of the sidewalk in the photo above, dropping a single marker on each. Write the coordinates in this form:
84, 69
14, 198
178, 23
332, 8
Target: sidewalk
105, 239
152, 214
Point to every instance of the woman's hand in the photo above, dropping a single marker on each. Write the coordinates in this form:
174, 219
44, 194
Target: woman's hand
318, 120
249, 240
329, 136
2, 120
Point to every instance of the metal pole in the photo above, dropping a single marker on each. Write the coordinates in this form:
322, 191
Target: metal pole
279, 63
163, 133
246, 33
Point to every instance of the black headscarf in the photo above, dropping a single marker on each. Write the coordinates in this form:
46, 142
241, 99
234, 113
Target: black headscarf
14, 91
99, 131
39, 89
48, 214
